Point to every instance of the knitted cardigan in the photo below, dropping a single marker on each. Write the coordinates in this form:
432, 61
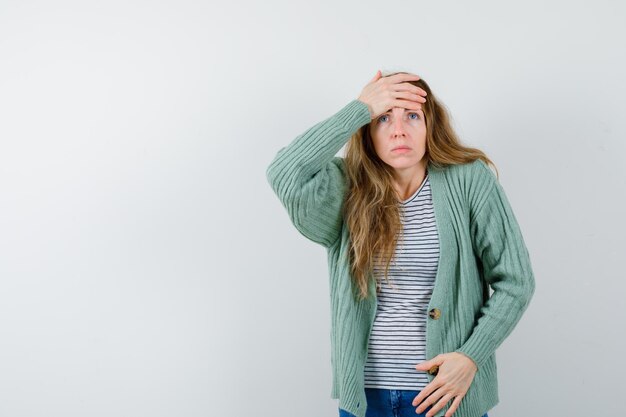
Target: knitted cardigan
481, 246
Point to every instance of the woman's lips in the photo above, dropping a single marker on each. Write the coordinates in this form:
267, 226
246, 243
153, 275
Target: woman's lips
401, 149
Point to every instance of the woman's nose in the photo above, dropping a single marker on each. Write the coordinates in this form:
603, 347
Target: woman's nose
398, 127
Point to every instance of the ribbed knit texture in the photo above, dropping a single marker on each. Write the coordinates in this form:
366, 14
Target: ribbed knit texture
481, 245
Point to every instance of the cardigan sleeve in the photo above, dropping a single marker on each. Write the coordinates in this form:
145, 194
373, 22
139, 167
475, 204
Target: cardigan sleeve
506, 266
308, 178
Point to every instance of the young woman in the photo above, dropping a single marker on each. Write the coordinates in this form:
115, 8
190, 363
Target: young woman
417, 229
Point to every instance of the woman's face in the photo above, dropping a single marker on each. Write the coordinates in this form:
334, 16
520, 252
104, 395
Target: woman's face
395, 131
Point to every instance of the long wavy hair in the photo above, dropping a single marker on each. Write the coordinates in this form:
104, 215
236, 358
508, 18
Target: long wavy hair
372, 206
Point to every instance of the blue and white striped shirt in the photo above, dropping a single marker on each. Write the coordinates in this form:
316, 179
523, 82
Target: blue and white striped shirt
398, 339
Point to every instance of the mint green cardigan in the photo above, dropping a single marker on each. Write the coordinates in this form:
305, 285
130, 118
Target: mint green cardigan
481, 246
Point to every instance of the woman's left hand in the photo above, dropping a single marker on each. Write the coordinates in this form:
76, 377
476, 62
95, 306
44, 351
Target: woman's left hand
455, 375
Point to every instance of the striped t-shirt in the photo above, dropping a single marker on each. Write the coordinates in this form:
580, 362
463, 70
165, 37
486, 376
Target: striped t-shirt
398, 338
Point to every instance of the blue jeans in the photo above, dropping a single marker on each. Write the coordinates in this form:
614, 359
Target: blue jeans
390, 403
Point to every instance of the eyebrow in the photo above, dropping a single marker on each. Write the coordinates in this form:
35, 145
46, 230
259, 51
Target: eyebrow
411, 110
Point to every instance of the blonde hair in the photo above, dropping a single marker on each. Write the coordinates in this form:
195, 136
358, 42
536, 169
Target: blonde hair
372, 207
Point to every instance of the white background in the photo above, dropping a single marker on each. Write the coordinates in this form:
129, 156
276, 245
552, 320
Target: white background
147, 268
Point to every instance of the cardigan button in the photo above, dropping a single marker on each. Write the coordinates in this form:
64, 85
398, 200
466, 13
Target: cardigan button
434, 313
433, 370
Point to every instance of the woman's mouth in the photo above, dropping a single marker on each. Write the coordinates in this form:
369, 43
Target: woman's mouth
401, 149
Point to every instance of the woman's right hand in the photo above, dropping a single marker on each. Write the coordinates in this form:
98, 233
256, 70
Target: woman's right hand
382, 94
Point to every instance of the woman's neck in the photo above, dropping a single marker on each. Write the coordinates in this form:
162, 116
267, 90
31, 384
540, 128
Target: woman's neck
409, 180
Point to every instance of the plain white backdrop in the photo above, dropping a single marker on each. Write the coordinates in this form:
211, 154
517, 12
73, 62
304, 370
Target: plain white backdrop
146, 267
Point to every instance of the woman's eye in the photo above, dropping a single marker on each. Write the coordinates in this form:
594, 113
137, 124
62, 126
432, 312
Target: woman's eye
417, 117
